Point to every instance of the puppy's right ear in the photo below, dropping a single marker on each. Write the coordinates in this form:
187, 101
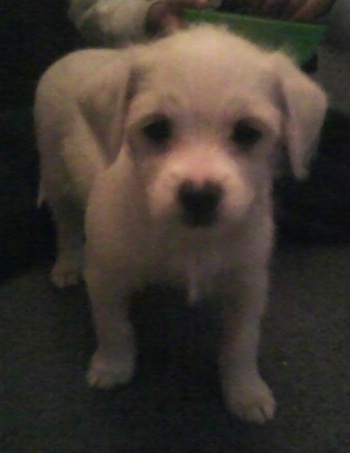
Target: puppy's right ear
103, 102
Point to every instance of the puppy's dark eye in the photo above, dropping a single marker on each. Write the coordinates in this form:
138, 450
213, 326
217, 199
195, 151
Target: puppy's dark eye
245, 135
159, 131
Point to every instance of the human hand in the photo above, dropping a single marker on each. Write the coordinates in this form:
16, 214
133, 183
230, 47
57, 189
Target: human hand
295, 10
164, 17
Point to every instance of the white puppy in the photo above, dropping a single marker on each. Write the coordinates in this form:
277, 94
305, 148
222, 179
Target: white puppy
183, 135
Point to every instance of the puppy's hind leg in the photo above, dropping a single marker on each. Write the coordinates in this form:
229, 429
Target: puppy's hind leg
66, 183
69, 241
114, 360
245, 392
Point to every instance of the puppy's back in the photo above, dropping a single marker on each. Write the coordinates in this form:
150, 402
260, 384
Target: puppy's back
58, 116
67, 75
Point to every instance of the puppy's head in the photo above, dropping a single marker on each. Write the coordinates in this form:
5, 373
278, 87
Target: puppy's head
207, 115
201, 164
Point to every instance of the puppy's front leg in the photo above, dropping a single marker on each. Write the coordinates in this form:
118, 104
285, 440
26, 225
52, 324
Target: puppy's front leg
245, 393
114, 360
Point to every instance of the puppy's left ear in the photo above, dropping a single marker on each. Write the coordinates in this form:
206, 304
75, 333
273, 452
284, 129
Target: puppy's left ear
303, 105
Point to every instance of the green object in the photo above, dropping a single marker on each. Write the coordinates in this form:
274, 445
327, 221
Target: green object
299, 40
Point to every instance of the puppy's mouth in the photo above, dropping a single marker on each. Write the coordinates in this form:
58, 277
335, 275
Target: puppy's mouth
199, 204
199, 219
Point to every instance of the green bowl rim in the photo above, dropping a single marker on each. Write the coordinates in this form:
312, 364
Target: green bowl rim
196, 13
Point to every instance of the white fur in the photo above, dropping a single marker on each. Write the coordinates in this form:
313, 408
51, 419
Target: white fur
91, 111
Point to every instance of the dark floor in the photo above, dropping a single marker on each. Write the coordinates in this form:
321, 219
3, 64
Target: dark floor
173, 404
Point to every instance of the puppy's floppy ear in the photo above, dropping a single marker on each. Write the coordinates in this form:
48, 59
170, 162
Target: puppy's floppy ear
303, 105
103, 102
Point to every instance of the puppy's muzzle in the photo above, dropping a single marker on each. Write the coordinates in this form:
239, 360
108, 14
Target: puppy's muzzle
199, 203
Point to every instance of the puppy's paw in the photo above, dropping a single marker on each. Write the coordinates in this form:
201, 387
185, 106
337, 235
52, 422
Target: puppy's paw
107, 371
66, 272
252, 401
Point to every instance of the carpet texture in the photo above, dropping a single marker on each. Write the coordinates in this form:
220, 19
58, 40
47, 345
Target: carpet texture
174, 402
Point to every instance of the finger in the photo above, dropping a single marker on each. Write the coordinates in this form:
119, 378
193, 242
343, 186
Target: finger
291, 7
312, 9
179, 4
275, 8
171, 23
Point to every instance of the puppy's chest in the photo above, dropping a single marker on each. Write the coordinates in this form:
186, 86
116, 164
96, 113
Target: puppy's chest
194, 269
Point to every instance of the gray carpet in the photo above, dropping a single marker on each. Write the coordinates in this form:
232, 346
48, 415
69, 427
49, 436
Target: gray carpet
173, 405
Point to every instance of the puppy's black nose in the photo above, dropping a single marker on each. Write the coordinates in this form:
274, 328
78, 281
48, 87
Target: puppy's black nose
200, 202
